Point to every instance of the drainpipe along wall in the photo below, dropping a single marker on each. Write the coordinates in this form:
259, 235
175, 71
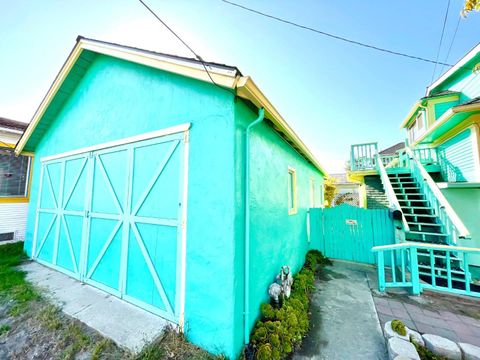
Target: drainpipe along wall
260, 118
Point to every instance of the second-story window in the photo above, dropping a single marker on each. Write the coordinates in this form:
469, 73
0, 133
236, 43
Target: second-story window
417, 127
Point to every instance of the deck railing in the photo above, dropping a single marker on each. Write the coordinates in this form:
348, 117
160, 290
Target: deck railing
362, 156
454, 226
420, 266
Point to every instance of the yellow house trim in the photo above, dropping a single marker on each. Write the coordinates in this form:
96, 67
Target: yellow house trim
411, 113
14, 200
445, 117
292, 191
244, 85
427, 104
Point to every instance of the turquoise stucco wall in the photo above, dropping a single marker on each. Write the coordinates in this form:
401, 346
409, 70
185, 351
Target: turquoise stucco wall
466, 203
277, 238
116, 99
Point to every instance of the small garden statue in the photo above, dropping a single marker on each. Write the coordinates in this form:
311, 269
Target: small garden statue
282, 285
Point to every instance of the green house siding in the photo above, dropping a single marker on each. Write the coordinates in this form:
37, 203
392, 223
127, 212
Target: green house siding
457, 160
464, 81
117, 99
276, 238
442, 108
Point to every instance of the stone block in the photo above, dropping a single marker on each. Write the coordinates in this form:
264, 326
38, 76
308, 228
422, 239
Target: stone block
469, 351
442, 346
401, 349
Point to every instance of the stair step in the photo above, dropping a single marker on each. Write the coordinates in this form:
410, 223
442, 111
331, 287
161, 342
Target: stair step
427, 233
417, 207
422, 215
423, 224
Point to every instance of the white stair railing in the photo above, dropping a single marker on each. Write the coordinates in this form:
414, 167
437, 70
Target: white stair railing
389, 192
454, 226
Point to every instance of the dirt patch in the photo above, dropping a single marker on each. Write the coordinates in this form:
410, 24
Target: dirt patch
42, 331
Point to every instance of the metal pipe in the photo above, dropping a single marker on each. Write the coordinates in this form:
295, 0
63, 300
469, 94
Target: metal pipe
261, 114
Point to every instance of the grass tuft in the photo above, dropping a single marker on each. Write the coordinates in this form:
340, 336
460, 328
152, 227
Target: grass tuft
173, 346
5, 328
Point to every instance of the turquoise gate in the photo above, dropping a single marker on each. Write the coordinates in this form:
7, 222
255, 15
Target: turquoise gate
112, 217
348, 233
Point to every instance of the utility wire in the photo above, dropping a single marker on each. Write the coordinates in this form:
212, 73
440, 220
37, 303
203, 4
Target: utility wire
198, 57
441, 39
453, 40
337, 37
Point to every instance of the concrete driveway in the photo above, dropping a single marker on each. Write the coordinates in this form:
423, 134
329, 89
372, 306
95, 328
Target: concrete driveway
344, 322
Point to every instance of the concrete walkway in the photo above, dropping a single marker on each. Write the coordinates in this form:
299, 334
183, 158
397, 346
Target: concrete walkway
127, 325
344, 321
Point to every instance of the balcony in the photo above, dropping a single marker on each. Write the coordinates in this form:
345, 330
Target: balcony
363, 158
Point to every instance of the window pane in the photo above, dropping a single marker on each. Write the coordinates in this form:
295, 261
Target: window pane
13, 174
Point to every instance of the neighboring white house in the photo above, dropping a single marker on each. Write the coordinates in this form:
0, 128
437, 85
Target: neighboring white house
14, 182
348, 192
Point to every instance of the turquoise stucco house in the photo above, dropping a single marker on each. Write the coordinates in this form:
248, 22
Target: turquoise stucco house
139, 187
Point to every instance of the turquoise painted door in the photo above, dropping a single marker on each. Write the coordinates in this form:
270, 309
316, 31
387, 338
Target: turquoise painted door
60, 214
117, 223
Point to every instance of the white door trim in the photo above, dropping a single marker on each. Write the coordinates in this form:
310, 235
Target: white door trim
128, 140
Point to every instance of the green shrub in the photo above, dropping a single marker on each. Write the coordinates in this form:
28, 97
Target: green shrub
399, 327
279, 331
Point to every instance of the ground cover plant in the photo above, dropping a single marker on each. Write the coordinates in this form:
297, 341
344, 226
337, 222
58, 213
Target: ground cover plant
281, 329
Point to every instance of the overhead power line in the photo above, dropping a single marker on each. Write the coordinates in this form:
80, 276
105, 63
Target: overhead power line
198, 57
453, 39
441, 39
337, 37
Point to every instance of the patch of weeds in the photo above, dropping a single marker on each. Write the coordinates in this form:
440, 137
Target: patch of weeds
49, 317
425, 353
173, 346
13, 285
76, 338
399, 327
4, 329
104, 348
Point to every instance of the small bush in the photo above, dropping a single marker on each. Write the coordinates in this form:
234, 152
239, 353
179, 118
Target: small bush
279, 331
399, 327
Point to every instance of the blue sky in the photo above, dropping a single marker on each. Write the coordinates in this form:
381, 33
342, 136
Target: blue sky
333, 94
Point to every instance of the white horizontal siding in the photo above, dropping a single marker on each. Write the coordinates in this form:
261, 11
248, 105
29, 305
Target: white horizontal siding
13, 218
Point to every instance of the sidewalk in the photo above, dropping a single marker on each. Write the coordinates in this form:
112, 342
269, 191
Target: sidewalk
344, 323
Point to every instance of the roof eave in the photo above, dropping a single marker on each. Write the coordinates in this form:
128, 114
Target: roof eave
225, 77
412, 112
471, 54
247, 89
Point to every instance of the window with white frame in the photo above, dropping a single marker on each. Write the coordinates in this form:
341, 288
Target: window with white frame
14, 174
417, 127
292, 191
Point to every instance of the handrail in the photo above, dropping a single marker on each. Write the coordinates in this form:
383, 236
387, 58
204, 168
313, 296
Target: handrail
389, 192
437, 199
409, 244
420, 266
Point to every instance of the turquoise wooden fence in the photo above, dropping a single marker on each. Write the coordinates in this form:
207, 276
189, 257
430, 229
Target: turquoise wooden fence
348, 233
